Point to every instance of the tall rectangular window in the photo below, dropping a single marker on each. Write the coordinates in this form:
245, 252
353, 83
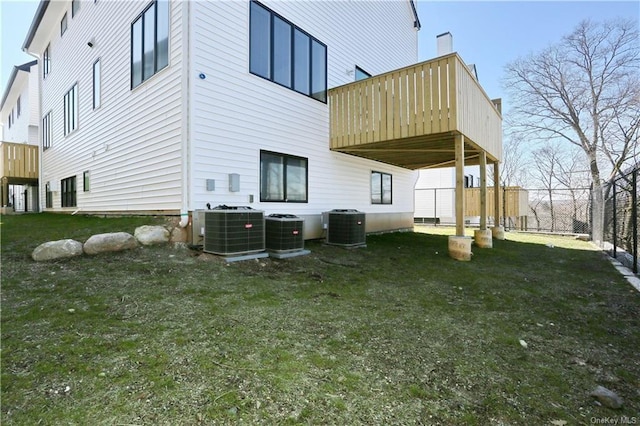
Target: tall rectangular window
48, 196
302, 45
75, 7
46, 62
285, 54
381, 188
283, 178
150, 42
46, 131
63, 24
68, 192
96, 84
71, 110
18, 107
85, 181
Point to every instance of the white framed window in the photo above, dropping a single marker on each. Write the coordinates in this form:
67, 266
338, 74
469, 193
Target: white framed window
71, 110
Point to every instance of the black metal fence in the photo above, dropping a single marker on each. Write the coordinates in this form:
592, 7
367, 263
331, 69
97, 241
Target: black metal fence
565, 210
621, 219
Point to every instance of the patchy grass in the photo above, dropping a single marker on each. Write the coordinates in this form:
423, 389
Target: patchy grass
395, 333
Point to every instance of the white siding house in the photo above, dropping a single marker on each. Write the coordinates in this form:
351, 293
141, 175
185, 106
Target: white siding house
20, 117
153, 105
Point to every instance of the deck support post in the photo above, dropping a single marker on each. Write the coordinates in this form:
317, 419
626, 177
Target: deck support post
482, 236
497, 230
483, 190
459, 152
459, 245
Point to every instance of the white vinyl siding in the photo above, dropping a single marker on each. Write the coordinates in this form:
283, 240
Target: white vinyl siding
236, 115
133, 146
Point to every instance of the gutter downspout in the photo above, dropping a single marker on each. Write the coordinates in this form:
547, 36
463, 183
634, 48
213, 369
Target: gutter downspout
186, 113
40, 150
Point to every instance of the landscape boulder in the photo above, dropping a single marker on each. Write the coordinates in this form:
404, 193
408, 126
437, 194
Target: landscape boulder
114, 241
148, 235
60, 249
607, 398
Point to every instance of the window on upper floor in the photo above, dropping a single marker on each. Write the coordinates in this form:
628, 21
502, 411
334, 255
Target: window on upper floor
361, 74
46, 62
68, 192
75, 7
18, 107
283, 177
10, 119
285, 54
150, 42
381, 188
46, 131
71, 110
96, 84
63, 25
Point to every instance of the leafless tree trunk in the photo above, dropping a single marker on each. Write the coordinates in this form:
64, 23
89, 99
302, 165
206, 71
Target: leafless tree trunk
584, 90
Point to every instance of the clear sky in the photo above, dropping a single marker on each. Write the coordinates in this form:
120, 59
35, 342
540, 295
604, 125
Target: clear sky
486, 33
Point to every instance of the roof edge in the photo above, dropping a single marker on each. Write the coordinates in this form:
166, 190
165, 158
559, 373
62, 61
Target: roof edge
12, 78
37, 19
416, 22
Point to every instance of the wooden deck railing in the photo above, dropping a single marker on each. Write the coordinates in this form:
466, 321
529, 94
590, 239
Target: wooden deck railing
429, 98
18, 160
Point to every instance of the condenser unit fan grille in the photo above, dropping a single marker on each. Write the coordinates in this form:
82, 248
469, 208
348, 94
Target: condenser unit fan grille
229, 232
284, 233
346, 228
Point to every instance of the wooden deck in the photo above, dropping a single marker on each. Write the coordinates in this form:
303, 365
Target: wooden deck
18, 162
410, 117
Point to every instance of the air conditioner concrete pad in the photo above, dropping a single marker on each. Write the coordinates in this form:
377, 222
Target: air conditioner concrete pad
250, 256
287, 255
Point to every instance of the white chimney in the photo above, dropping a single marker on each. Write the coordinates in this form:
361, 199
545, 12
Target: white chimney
445, 43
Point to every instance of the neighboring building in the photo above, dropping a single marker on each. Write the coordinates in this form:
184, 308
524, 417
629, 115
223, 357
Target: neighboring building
163, 107
20, 116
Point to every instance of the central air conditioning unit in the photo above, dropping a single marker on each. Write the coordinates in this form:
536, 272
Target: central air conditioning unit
234, 230
284, 233
346, 228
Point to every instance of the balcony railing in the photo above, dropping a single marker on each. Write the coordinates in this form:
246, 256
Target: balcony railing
18, 161
416, 112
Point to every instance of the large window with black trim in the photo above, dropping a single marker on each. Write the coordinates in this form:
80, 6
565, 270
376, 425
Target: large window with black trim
381, 188
68, 192
283, 177
71, 110
46, 131
150, 42
285, 54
